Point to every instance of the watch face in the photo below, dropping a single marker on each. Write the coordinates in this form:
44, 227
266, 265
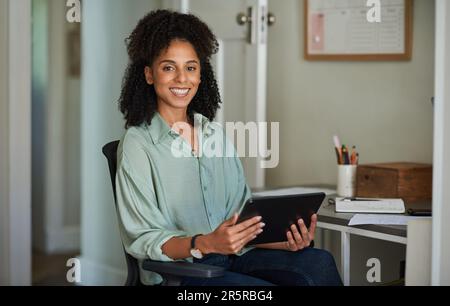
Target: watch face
196, 253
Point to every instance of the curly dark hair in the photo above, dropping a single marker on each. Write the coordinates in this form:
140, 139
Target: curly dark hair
152, 35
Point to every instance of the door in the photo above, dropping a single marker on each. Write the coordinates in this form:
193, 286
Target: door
240, 67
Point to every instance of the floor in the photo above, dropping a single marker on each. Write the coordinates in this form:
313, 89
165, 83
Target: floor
50, 270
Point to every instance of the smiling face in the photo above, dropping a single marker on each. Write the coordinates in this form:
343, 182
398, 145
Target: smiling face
175, 74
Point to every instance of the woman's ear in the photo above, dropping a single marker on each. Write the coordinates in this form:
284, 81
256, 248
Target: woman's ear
148, 75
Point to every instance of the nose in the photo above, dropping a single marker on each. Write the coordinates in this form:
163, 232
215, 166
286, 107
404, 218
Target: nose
181, 76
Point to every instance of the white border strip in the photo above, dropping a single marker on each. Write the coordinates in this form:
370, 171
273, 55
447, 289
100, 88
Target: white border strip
441, 177
20, 141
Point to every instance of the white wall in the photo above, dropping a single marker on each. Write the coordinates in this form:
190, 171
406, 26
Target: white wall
381, 107
105, 24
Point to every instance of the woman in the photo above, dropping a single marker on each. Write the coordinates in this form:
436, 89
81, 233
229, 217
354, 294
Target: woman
173, 208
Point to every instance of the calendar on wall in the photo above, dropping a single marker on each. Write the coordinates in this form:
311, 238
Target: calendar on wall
342, 30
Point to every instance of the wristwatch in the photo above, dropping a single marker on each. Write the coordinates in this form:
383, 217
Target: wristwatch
196, 253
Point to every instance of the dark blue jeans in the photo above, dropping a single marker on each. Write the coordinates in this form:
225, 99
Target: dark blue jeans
263, 267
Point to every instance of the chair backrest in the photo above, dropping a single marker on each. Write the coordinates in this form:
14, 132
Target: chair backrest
110, 151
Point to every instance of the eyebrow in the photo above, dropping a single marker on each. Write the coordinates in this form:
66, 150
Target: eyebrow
173, 62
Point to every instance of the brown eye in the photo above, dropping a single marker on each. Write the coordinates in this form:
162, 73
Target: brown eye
192, 68
168, 68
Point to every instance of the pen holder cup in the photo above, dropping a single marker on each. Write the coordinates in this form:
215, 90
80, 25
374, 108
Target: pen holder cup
346, 181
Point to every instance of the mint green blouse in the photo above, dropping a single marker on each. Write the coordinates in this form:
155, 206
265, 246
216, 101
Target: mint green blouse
163, 190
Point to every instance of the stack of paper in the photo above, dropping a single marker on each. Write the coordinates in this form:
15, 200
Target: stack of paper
360, 219
375, 206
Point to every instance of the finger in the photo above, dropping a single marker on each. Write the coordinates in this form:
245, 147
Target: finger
304, 231
238, 245
291, 243
312, 228
246, 240
248, 232
297, 237
246, 224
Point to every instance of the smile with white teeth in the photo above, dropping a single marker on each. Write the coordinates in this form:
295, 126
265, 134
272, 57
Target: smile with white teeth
180, 92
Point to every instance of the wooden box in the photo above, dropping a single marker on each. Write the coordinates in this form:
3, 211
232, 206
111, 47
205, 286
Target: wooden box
410, 181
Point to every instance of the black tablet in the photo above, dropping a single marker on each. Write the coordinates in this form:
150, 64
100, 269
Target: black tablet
279, 213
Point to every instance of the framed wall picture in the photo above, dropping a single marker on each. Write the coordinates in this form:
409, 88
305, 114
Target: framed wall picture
340, 30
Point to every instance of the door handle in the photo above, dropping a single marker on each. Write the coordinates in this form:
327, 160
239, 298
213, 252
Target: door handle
242, 19
271, 19
247, 19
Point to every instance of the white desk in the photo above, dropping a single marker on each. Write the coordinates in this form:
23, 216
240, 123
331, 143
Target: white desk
329, 219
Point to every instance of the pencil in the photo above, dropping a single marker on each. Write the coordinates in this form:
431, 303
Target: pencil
337, 146
345, 155
338, 156
337, 143
353, 156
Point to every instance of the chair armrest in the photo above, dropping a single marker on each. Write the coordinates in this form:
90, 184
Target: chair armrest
183, 269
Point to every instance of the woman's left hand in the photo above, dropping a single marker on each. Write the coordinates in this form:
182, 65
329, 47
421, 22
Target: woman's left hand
299, 239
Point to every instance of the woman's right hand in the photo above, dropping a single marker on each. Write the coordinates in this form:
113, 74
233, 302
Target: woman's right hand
230, 238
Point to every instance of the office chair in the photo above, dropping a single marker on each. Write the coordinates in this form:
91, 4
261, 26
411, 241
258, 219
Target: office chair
171, 272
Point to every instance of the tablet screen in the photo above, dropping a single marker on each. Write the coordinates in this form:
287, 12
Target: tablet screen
279, 213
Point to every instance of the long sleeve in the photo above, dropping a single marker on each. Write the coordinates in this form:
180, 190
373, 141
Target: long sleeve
144, 227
